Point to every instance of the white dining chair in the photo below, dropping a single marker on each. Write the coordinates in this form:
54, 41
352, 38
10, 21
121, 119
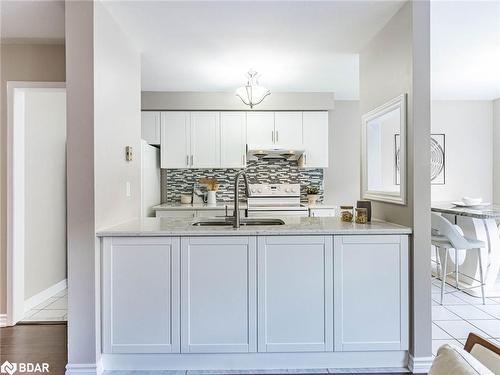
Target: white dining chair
446, 236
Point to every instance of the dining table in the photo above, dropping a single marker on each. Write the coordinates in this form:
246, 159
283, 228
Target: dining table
478, 222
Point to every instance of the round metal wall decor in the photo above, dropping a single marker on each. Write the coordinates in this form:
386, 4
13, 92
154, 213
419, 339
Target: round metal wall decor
437, 159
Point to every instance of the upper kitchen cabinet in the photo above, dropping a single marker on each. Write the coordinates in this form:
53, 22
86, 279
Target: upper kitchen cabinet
150, 127
233, 139
175, 140
260, 128
205, 140
315, 130
288, 129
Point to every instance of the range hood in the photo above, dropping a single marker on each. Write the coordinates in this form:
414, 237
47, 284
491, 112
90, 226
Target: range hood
269, 152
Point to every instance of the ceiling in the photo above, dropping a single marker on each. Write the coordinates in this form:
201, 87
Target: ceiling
465, 50
295, 45
40, 21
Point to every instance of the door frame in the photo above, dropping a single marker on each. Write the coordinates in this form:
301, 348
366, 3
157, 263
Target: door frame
15, 199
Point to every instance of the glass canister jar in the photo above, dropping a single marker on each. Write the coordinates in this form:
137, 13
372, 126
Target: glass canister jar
346, 213
361, 215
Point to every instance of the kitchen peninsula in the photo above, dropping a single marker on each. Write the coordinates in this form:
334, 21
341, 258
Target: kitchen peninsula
301, 295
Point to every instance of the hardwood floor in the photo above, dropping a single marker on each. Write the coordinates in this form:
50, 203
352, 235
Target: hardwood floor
36, 344
48, 343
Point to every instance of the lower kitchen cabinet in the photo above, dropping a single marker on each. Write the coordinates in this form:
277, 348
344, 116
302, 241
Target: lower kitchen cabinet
140, 278
295, 289
371, 292
218, 294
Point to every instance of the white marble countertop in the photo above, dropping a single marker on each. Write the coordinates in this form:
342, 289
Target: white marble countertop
490, 211
292, 226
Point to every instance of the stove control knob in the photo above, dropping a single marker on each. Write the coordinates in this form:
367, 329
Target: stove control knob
259, 190
294, 190
252, 190
287, 190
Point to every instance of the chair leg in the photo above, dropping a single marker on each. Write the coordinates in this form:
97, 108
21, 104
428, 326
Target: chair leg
443, 279
456, 269
481, 275
438, 266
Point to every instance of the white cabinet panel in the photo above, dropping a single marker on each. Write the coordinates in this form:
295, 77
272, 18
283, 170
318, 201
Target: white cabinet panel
141, 295
205, 140
175, 213
295, 288
150, 127
218, 294
260, 128
371, 292
315, 128
288, 129
175, 140
233, 139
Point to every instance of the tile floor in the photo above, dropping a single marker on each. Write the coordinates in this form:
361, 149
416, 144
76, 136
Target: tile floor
53, 309
461, 314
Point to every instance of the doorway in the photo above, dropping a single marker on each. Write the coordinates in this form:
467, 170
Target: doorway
36, 202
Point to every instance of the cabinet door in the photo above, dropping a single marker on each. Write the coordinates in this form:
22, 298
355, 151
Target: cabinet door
371, 293
260, 128
295, 289
205, 140
141, 300
233, 139
174, 135
288, 129
150, 127
218, 295
315, 128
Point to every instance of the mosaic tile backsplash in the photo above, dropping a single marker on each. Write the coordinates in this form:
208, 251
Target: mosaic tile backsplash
175, 182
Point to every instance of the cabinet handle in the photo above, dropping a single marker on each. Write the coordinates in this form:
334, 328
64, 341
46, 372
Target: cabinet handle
243, 159
277, 136
272, 135
187, 160
191, 160
305, 159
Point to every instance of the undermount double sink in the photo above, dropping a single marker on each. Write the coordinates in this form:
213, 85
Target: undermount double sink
229, 221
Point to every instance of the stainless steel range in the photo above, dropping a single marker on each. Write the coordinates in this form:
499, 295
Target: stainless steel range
275, 200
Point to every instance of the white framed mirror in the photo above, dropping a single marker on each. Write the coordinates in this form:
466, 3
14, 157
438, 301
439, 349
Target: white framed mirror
383, 152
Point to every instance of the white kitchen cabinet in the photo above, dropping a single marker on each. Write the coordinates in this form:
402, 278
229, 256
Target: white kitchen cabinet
321, 211
295, 289
260, 128
175, 140
233, 139
315, 130
150, 127
371, 292
288, 130
141, 301
218, 294
205, 140
176, 213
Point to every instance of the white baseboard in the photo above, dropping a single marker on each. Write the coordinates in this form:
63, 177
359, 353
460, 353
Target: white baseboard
44, 295
419, 365
3, 320
84, 369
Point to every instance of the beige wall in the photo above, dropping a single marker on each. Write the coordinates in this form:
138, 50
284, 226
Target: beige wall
21, 63
468, 126
45, 194
396, 61
496, 150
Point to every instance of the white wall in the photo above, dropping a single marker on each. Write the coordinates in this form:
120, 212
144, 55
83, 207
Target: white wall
341, 178
117, 89
496, 150
468, 126
396, 61
45, 190
103, 104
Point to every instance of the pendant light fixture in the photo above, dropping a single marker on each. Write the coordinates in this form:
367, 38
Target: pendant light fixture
252, 93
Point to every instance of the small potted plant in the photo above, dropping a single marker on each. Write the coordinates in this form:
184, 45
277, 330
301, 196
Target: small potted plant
212, 186
312, 194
